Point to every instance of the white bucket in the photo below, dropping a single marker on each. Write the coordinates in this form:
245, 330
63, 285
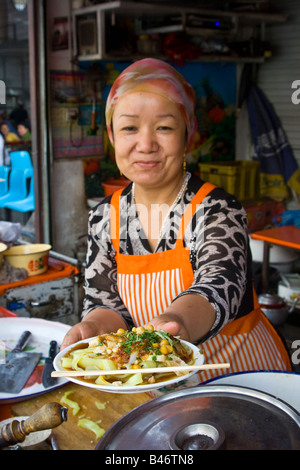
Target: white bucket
281, 258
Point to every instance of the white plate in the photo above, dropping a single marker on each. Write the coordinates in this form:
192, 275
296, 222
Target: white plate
280, 384
198, 359
43, 332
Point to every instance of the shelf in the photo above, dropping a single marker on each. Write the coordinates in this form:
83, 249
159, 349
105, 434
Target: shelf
90, 23
157, 9
203, 58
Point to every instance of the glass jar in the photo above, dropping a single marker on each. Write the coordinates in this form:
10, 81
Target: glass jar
155, 44
144, 45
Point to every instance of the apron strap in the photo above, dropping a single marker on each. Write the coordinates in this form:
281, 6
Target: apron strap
115, 219
205, 189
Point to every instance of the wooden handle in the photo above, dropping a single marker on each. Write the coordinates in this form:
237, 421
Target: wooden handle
49, 416
154, 370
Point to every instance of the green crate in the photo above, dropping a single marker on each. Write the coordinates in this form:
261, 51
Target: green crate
238, 178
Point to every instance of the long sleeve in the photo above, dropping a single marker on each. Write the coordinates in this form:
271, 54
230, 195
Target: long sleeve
101, 272
220, 258
217, 240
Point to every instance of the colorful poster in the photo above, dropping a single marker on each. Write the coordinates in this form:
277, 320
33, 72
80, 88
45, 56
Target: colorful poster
215, 85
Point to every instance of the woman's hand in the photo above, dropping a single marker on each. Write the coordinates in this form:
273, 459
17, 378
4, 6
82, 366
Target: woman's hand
170, 324
190, 317
98, 322
82, 330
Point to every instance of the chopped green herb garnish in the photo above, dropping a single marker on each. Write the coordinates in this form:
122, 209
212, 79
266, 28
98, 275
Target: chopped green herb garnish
165, 335
146, 339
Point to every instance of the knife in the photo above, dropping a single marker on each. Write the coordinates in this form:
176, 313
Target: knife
18, 367
47, 380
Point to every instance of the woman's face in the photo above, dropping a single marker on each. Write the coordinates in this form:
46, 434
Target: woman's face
4, 129
149, 138
22, 129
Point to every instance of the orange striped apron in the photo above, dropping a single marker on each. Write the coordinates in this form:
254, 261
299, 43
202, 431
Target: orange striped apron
147, 285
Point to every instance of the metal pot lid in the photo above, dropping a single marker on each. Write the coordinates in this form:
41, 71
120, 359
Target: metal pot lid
271, 300
207, 418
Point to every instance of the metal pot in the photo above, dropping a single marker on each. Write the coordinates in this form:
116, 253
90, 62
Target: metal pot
275, 308
207, 418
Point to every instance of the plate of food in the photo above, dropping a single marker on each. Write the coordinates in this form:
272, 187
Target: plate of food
139, 360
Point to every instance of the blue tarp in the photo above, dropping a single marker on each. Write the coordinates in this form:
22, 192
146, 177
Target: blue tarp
272, 148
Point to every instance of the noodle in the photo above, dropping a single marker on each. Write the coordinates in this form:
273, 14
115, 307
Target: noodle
142, 347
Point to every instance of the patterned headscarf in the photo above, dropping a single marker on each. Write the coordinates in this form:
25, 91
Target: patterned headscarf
156, 76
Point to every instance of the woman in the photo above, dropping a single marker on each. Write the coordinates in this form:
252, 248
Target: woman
171, 249
10, 137
24, 131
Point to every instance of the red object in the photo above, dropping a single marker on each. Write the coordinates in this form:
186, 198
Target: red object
6, 313
260, 213
36, 376
285, 236
179, 49
5, 412
91, 166
93, 121
216, 114
111, 185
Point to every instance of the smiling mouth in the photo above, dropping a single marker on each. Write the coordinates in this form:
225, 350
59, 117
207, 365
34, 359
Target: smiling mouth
145, 164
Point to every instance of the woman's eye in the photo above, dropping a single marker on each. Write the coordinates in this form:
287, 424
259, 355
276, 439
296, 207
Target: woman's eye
129, 128
165, 128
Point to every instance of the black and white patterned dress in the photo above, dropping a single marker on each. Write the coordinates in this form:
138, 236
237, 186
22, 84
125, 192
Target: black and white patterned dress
219, 253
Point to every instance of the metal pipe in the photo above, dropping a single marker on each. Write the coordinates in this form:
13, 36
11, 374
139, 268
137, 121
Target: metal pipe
39, 118
66, 259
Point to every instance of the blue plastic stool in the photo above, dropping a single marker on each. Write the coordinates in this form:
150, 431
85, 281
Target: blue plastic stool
24, 205
17, 190
20, 159
4, 179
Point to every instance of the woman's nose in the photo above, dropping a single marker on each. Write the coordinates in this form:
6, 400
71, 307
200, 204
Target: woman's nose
146, 141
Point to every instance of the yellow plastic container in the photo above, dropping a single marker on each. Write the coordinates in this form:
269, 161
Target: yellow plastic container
3, 248
33, 258
238, 178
